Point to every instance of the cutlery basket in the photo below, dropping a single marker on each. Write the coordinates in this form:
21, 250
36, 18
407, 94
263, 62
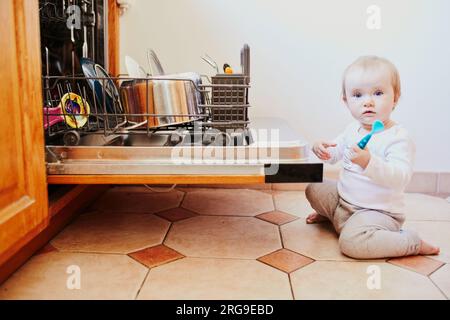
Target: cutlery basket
234, 94
228, 103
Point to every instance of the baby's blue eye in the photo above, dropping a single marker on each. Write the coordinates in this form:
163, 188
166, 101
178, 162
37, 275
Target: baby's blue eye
357, 95
378, 93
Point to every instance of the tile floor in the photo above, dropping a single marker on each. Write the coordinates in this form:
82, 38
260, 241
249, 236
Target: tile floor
200, 243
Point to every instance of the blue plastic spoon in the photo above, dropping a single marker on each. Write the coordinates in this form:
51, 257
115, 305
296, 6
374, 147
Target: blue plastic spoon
377, 126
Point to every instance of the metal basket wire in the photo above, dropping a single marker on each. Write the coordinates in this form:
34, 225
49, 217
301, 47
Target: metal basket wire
114, 118
228, 104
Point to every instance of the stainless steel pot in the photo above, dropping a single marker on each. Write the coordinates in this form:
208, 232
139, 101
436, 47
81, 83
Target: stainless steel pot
172, 101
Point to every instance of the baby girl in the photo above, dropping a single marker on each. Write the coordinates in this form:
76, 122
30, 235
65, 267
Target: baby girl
365, 205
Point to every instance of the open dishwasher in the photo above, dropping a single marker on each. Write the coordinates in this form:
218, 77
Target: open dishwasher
157, 129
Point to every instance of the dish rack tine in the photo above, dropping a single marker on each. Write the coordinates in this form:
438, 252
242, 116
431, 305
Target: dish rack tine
108, 116
85, 102
211, 62
106, 123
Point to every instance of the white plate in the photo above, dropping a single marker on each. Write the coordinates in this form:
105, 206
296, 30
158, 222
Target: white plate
134, 70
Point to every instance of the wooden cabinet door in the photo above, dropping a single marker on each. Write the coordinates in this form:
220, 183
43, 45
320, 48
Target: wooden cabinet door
23, 191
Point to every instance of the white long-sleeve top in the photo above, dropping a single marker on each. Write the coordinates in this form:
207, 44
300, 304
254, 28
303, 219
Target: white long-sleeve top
381, 185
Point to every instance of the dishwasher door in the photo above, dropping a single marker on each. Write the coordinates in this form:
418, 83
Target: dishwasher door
274, 154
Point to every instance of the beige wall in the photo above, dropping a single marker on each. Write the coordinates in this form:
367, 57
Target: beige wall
299, 50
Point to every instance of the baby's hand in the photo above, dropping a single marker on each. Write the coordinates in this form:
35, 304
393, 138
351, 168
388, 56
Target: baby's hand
320, 149
360, 156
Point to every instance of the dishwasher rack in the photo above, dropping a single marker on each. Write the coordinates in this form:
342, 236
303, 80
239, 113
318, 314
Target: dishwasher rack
222, 104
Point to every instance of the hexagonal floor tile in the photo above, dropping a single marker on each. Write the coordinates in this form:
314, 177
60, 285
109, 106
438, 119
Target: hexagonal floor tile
357, 280
434, 232
420, 264
442, 279
277, 217
156, 256
130, 189
317, 241
176, 214
190, 188
213, 279
223, 237
293, 202
102, 276
235, 202
138, 202
289, 186
260, 186
112, 233
426, 208
286, 260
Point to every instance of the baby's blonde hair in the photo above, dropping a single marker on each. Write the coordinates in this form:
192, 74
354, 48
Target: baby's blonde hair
371, 62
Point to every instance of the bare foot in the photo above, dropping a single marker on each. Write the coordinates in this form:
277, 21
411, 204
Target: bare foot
315, 218
428, 249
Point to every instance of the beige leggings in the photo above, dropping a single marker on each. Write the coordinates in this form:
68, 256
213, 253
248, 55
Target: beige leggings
364, 233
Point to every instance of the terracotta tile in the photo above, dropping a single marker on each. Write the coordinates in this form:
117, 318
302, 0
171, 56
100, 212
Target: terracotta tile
228, 202
138, 202
215, 279
423, 182
130, 189
422, 207
292, 202
420, 264
139, 188
46, 249
434, 232
442, 279
156, 256
317, 241
356, 280
112, 233
176, 214
267, 191
223, 237
289, 186
159, 188
261, 186
192, 188
277, 217
102, 276
285, 260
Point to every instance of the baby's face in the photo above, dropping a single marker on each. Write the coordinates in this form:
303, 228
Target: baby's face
369, 94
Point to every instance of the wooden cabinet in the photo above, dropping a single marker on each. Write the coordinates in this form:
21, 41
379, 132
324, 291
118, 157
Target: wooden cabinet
28, 218
23, 189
